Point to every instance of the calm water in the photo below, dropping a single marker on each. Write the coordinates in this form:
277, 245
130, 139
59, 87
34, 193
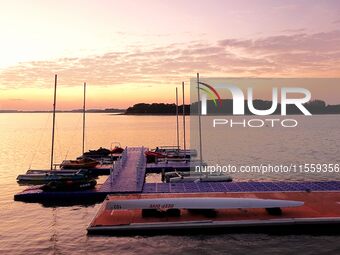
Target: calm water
34, 229
315, 140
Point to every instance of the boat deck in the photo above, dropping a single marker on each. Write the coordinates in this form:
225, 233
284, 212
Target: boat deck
319, 209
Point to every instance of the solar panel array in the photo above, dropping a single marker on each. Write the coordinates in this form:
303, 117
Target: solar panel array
37, 195
191, 187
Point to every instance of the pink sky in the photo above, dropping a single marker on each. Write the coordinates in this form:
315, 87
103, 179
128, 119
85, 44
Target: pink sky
138, 51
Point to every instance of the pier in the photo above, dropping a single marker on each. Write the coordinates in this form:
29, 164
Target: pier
127, 176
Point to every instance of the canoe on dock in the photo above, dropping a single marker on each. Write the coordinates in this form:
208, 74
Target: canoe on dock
288, 211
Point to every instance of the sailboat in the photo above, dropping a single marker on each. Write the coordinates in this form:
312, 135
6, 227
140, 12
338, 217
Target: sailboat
173, 152
46, 176
84, 162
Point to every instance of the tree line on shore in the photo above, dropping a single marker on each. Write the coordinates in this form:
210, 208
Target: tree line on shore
315, 107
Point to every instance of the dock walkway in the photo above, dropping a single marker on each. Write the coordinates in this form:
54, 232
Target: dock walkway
128, 173
128, 177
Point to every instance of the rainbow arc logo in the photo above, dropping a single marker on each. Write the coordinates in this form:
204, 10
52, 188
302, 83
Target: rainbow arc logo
213, 94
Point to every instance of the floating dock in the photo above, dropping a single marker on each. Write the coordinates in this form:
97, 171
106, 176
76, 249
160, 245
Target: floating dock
320, 211
168, 166
103, 169
98, 194
126, 180
128, 176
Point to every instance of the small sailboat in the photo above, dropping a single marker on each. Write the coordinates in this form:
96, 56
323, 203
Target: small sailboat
83, 162
89, 172
61, 171
46, 176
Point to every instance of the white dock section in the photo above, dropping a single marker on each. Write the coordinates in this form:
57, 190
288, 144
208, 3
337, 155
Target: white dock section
128, 173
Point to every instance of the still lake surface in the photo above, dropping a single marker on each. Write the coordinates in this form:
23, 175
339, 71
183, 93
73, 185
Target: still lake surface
34, 229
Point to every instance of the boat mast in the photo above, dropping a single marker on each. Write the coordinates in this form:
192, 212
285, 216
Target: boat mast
177, 118
84, 110
53, 125
199, 115
184, 138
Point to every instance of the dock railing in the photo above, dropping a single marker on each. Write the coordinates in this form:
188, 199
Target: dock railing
141, 164
118, 165
124, 157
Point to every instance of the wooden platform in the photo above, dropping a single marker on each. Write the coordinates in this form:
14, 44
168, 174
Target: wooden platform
319, 209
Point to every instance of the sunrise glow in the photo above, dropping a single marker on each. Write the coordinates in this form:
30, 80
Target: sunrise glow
143, 57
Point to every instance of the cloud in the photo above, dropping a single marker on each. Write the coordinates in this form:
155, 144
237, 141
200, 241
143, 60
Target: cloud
295, 55
320, 42
293, 30
16, 99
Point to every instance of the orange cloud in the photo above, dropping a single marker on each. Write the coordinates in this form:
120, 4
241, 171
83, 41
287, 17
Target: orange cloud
126, 76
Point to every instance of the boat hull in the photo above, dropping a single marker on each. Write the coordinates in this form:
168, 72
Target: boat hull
74, 164
69, 185
36, 179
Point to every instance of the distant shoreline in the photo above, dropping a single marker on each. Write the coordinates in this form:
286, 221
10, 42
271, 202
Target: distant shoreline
164, 115
315, 107
71, 111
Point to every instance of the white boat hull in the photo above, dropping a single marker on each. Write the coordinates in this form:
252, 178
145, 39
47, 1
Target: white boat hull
200, 203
